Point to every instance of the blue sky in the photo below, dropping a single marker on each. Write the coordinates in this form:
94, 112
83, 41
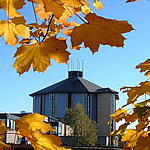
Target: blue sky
109, 67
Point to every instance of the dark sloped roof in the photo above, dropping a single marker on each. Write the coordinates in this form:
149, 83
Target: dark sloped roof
106, 90
73, 85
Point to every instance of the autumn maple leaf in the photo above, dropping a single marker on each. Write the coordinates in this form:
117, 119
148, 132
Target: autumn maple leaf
145, 67
41, 11
131, 1
11, 7
39, 55
135, 92
46, 142
12, 29
97, 4
73, 3
45, 6
132, 136
143, 143
35, 121
100, 30
3, 129
33, 127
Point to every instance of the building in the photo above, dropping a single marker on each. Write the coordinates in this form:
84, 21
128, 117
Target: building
99, 102
11, 135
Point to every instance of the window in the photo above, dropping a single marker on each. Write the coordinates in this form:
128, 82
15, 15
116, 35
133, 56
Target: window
87, 104
112, 103
112, 112
52, 104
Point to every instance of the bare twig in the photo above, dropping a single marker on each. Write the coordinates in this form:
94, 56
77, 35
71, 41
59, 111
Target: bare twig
48, 28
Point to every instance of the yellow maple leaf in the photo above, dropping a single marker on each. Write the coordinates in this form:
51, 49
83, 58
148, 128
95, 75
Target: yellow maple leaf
41, 11
131, 117
69, 11
3, 129
76, 47
32, 127
67, 31
134, 92
97, 4
11, 7
86, 10
141, 125
35, 121
119, 114
132, 136
72, 3
145, 67
39, 55
143, 143
15, 27
120, 130
46, 142
50, 6
100, 30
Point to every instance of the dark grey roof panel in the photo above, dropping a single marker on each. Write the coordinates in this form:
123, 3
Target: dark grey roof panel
91, 87
72, 85
106, 90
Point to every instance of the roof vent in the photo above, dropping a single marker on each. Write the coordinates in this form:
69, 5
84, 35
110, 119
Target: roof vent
75, 74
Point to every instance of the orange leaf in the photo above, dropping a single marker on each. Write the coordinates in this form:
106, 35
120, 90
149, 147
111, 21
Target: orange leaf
131, 1
12, 29
39, 55
54, 7
86, 10
13, 7
72, 3
41, 11
35, 121
132, 136
97, 4
143, 143
145, 67
46, 142
32, 127
119, 114
134, 92
3, 129
67, 31
97, 31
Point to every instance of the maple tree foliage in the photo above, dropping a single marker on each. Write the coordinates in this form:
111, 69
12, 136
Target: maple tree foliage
47, 37
3, 130
139, 137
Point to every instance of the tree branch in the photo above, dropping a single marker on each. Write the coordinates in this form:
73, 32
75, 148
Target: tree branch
48, 28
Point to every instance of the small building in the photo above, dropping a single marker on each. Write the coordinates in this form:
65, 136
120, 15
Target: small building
99, 103
11, 135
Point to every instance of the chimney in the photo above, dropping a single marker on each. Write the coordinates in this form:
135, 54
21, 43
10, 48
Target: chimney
75, 74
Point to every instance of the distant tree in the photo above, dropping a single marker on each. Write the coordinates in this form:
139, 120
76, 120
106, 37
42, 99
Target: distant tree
84, 130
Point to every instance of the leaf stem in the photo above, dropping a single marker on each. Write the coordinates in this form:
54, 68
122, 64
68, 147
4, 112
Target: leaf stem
80, 18
8, 10
48, 28
36, 20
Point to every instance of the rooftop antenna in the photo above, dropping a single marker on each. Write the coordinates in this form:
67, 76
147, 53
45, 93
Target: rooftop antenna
77, 65
82, 64
68, 66
71, 64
